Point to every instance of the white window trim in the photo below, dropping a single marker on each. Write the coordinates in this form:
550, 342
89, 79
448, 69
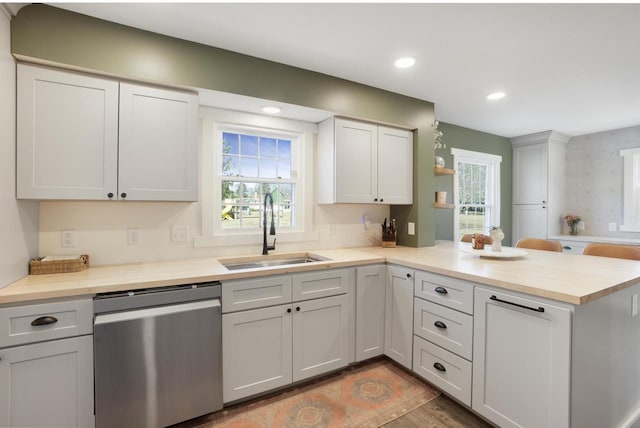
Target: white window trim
493, 163
212, 120
631, 195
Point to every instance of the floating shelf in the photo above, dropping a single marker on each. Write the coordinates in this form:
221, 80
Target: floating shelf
441, 205
443, 171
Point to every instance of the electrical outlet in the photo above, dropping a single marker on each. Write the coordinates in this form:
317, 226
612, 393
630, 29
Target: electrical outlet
68, 238
133, 236
179, 233
581, 225
411, 228
634, 305
331, 228
612, 227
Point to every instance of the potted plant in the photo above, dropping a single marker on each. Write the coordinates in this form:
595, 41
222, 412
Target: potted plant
572, 221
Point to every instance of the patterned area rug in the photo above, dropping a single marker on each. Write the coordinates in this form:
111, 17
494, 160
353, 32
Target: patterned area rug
366, 396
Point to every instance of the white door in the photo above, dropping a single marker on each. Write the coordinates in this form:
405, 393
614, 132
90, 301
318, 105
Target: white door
529, 221
256, 351
395, 166
67, 135
356, 158
370, 303
521, 361
320, 336
47, 384
398, 334
530, 174
158, 149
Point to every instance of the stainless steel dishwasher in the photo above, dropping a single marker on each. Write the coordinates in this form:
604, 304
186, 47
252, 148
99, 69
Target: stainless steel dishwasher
158, 355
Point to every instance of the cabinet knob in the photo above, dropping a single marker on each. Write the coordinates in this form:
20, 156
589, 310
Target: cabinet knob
375, 200
544, 202
288, 310
441, 290
110, 195
408, 275
297, 308
381, 200
440, 324
123, 195
439, 367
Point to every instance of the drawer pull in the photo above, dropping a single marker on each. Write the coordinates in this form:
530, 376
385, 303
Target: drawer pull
441, 290
538, 309
566, 247
440, 324
44, 321
439, 367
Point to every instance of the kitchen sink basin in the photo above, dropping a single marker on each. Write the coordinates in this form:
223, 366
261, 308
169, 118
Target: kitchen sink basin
261, 262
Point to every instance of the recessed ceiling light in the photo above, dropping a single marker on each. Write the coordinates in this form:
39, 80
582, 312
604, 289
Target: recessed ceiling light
405, 62
496, 96
271, 109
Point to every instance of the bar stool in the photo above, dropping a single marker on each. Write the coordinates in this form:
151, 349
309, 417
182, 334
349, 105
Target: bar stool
615, 251
539, 244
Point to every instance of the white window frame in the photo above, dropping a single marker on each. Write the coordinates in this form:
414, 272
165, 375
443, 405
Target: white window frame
212, 123
493, 176
631, 190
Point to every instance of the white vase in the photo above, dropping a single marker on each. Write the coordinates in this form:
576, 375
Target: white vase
497, 235
439, 161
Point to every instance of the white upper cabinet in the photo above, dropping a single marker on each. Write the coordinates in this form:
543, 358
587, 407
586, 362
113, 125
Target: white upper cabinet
67, 135
530, 174
359, 162
93, 138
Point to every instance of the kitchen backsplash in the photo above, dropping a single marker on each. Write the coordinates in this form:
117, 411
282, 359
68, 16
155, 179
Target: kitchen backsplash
594, 179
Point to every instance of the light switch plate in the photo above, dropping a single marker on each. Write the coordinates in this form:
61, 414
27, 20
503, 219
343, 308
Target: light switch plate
612, 227
411, 228
68, 238
179, 233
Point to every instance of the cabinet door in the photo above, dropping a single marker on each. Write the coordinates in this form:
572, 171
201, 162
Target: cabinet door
370, 303
521, 360
67, 135
356, 158
529, 221
320, 336
47, 384
158, 149
256, 351
530, 174
398, 332
395, 166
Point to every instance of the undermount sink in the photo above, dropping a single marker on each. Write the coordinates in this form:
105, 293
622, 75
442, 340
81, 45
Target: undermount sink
260, 262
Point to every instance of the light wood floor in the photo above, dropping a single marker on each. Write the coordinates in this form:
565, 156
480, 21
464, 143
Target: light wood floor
441, 412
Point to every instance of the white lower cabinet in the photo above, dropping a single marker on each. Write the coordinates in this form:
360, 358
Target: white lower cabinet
270, 347
398, 335
521, 360
370, 303
47, 384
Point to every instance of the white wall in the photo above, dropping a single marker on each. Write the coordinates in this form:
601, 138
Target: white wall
594, 179
18, 219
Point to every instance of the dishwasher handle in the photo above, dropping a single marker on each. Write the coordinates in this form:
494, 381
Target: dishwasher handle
158, 311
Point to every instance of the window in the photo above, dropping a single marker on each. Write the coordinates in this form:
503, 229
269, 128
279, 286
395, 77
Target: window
476, 191
244, 157
631, 192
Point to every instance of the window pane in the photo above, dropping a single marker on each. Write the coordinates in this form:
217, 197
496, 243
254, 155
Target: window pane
268, 168
230, 143
249, 167
284, 168
251, 216
284, 149
249, 145
268, 147
230, 166
231, 191
251, 193
286, 191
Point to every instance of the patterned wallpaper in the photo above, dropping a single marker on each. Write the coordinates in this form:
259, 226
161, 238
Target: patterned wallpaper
594, 179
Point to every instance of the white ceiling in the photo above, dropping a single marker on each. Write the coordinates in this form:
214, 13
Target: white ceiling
573, 68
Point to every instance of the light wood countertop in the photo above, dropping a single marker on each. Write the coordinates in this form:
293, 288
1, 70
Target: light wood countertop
569, 278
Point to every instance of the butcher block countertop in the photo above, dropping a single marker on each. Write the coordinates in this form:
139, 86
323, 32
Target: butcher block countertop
568, 278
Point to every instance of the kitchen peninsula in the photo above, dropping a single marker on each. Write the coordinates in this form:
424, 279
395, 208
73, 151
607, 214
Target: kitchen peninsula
572, 338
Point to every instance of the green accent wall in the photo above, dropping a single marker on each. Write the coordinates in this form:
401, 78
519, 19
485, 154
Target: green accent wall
469, 139
43, 33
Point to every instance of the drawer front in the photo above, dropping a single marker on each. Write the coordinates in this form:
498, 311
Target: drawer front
451, 292
255, 293
449, 329
320, 284
445, 370
45, 321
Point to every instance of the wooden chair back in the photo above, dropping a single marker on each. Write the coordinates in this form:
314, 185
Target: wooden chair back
539, 244
615, 251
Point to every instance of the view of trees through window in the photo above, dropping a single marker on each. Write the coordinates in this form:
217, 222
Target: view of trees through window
252, 166
473, 201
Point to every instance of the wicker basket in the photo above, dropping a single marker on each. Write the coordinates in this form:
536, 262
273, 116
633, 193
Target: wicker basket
39, 266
